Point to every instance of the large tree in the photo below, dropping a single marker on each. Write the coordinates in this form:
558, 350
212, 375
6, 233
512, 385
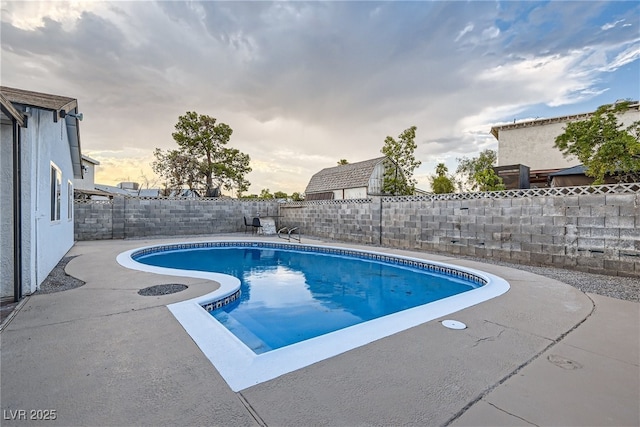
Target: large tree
179, 170
442, 183
603, 145
280, 195
265, 194
400, 163
478, 174
203, 161
297, 197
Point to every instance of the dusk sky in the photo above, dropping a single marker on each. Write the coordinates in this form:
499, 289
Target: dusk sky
305, 84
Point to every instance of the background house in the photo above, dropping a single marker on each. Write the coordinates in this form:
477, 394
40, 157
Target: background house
85, 187
532, 143
350, 181
39, 160
575, 176
133, 189
514, 176
87, 182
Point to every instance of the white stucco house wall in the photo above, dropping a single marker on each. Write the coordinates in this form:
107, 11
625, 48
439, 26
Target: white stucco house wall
37, 220
532, 143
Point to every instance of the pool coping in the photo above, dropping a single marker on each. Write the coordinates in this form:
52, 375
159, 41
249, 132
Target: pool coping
242, 368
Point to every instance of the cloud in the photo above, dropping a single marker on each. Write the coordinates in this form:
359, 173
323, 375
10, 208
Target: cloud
465, 30
630, 54
303, 84
31, 15
126, 165
490, 33
611, 25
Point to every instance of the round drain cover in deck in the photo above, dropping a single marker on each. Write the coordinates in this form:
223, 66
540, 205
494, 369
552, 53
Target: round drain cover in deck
157, 290
453, 324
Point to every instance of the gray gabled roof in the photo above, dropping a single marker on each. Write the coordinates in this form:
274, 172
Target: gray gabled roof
45, 101
352, 175
113, 189
57, 104
574, 170
90, 160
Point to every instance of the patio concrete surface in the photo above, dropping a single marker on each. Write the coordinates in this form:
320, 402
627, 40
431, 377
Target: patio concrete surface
544, 353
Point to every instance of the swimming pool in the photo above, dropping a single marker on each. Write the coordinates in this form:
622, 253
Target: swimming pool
289, 295
252, 356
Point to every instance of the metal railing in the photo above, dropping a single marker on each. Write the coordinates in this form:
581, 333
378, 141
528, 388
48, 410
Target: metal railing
289, 232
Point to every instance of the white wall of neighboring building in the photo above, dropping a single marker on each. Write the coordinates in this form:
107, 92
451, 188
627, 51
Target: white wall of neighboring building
350, 193
45, 241
87, 182
533, 145
376, 181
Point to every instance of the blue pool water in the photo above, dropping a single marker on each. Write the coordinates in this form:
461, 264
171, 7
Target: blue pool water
288, 296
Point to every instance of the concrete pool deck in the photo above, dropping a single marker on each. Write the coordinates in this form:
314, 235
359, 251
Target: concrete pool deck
544, 353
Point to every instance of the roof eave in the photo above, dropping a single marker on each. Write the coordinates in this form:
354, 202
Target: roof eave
60, 105
90, 160
12, 112
73, 135
633, 105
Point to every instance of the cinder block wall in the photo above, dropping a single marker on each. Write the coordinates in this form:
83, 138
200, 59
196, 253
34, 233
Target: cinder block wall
93, 220
599, 233
595, 233
126, 217
356, 221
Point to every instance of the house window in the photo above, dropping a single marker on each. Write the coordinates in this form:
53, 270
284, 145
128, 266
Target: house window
69, 200
56, 184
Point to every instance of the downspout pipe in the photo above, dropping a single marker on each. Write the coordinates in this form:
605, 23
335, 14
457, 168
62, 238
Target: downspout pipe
17, 213
380, 233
